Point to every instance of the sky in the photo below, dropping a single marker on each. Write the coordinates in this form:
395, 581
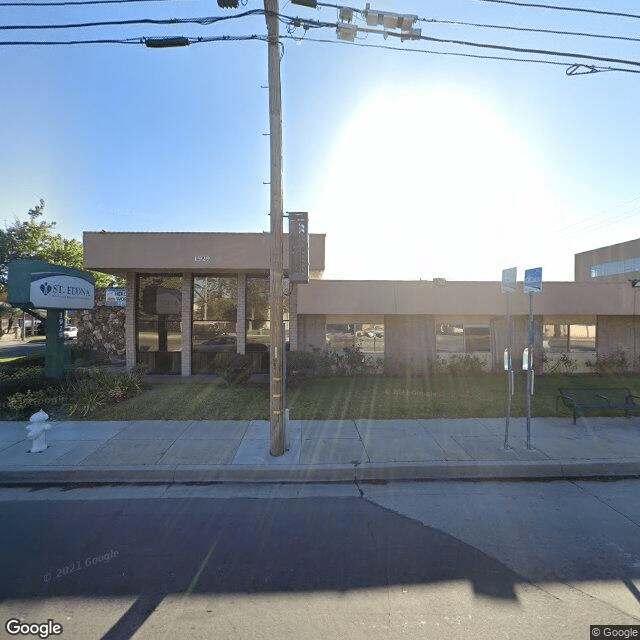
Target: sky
415, 164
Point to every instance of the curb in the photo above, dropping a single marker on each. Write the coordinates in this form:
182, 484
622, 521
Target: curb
324, 473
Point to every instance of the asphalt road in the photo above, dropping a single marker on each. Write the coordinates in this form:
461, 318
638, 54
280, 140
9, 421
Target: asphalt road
268, 562
13, 348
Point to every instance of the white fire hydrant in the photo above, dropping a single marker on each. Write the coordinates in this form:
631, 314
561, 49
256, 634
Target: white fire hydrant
36, 431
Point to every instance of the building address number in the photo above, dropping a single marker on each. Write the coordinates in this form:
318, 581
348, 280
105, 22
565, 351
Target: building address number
202, 258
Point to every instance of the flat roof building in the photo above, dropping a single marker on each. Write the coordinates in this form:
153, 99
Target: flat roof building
191, 296
615, 263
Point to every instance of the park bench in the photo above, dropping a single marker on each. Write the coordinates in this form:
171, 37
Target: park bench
580, 400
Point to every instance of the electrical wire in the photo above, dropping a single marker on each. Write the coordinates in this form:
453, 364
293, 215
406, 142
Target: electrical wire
290, 21
596, 215
459, 54
73, 2
534, 5
482, 45
545, 52
529, 29
113, 23
139, 40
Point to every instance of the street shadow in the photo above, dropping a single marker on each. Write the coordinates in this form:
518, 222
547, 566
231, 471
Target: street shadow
153, 548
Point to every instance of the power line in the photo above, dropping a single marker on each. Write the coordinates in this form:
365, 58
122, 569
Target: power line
306, 24
453, 53
469, 43
72, 2
111, 23
534, 5
139, 40
546, 52
596, 215
529, 29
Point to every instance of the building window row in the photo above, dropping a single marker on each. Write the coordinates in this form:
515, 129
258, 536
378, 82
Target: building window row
630, 265
462, 338
214, 320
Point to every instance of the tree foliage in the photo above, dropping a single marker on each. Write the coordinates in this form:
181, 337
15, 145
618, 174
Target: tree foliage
34, 239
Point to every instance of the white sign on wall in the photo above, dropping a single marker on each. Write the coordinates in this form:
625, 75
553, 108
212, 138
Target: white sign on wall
116, 297
57, 291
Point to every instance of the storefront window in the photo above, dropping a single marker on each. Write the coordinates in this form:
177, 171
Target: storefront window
215, 310
258, 319
366, 336
582, 337
569, 338
462, 338
158, 322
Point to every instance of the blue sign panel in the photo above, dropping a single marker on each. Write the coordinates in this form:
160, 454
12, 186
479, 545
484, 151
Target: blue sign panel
533, 280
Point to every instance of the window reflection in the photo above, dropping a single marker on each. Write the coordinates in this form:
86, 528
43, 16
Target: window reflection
367, 336
569, 338
158, 322
215, 311
258, 319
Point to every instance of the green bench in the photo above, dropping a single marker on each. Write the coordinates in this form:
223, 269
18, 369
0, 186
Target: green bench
580, 400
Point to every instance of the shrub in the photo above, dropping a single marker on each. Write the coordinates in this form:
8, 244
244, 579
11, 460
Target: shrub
615, 362
21, 379
235, 368
564, 365
89, 390
300, 364
140, 369
27, 403
464, 364
351, 361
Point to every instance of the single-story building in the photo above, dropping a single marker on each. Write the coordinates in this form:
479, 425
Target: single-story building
193, 295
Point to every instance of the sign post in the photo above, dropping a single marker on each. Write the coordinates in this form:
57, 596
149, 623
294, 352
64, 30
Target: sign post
532, 286
34, 284
509, 277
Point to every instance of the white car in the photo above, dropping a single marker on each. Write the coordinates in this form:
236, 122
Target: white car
70, 333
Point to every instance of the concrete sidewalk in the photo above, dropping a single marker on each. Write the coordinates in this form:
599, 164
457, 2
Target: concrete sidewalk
321, 451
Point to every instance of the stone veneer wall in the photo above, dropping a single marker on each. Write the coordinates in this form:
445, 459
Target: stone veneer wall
102, 329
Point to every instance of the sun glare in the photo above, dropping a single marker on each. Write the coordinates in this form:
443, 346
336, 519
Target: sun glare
421, 184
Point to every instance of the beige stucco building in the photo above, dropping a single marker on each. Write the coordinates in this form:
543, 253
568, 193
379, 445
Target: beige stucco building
615, 263
193, 295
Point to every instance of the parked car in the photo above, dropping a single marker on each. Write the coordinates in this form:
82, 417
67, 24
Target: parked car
71, 333
219, 344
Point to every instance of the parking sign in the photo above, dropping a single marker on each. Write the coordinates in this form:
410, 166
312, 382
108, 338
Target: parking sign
533, 280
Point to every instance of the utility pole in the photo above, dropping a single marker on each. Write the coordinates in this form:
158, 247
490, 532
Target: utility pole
276, 349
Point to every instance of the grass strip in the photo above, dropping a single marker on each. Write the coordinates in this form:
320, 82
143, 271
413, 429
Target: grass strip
373, 397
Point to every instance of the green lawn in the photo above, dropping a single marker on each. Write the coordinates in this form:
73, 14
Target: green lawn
375, 397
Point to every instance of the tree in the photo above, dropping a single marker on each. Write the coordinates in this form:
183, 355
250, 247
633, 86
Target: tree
34, 239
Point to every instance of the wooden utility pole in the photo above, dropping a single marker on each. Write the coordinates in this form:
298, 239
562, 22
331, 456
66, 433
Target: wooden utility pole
276, 351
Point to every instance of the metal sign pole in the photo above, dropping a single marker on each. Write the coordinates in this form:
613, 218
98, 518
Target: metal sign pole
529, 370
509, 279
509, 368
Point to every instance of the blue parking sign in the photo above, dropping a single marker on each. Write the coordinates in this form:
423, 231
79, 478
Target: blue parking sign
533, 280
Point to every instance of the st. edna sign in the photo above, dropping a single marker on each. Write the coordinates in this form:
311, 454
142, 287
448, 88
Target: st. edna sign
34, 284
57, 291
